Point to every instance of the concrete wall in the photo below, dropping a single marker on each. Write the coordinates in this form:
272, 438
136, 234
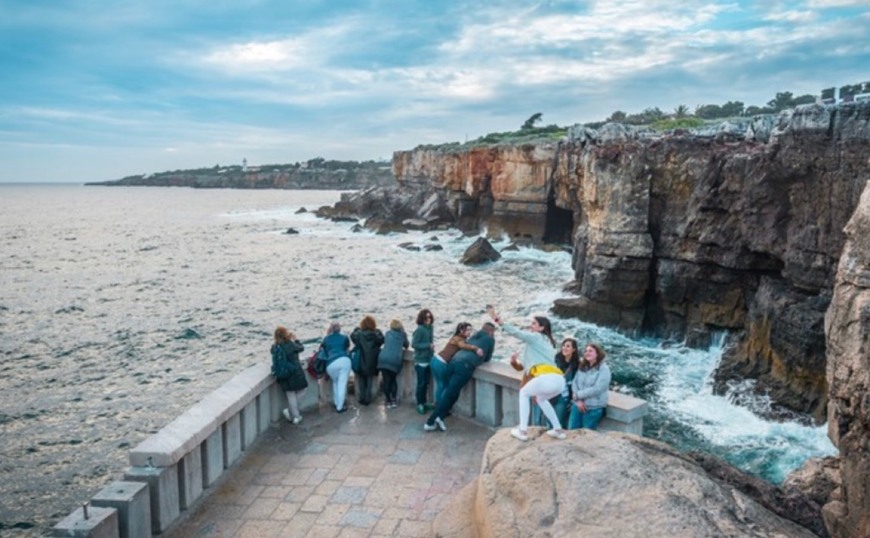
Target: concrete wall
176, 466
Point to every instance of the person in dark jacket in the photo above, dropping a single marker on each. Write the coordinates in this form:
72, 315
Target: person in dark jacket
390, 361
459, 373
423, 343
293, 382
369, 339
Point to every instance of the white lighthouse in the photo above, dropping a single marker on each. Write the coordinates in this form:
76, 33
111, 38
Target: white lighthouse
244, 165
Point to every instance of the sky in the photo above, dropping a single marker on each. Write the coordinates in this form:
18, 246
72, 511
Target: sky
95, 90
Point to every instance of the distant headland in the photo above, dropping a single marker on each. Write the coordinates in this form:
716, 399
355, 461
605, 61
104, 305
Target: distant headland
315, 173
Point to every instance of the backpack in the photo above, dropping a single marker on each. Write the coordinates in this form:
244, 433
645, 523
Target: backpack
281, 367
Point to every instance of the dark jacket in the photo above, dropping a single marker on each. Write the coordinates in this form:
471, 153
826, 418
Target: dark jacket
369, 343
422, 343
393, 352
291, 351
482, 340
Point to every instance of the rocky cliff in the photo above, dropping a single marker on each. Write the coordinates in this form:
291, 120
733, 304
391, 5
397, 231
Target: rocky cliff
736, 230
847, 325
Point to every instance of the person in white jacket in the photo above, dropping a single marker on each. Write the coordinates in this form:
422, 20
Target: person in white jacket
543, 379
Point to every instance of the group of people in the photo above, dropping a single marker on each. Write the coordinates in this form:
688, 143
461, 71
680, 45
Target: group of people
567, 389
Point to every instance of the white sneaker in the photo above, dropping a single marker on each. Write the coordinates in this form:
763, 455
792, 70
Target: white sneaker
429, 427
557, 434
286, 413
297, 420
440, 424
519, 434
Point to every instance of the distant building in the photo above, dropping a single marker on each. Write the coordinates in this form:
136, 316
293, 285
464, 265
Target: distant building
244, 165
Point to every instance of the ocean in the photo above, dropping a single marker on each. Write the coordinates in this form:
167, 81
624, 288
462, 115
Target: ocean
120, 307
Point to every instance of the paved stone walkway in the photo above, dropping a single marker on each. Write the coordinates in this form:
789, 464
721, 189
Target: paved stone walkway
367, 472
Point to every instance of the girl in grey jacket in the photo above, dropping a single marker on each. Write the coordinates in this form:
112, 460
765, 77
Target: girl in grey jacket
589, 389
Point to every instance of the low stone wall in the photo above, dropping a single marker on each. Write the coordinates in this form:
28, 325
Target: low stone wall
172, 469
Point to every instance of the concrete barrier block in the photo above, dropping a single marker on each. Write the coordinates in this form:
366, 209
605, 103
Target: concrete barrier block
133, 503
264, 410
232, 434
510, 407
163, 491
487, 403
279, 402
310, 399
100, 523
248, 418
190, 476
212, 458
465, 404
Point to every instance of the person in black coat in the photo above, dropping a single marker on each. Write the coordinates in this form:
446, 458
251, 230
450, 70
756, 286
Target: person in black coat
288, 371
368, 339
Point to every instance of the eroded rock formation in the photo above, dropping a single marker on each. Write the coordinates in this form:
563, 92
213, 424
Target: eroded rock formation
681, 235
847, 324
596, 484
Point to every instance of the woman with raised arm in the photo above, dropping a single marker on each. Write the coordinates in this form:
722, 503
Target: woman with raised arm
542, 378
288, 371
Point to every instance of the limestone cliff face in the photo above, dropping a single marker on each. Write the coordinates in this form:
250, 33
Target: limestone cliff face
686, 235
847, 324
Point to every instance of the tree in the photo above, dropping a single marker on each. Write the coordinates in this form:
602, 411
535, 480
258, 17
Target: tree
618, 116
782, 101
732, 108
530, 123
681, 111
708, 111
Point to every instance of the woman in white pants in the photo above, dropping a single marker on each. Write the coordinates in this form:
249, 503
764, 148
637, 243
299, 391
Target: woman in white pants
336, 346
544, 379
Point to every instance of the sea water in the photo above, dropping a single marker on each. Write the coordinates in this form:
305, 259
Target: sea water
120, 307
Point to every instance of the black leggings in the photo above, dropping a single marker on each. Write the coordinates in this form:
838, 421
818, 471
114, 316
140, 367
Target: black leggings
389, 385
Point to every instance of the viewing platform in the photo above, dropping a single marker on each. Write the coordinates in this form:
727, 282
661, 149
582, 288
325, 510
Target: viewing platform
232, 466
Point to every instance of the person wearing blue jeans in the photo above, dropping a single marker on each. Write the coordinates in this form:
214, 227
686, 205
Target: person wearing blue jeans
459, 373
589, 389
423, 344
442, 359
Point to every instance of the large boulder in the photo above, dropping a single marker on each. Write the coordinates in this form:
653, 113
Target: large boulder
603, 485
481, 251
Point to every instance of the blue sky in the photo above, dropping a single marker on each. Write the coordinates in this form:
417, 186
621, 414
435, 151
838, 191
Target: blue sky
97, 89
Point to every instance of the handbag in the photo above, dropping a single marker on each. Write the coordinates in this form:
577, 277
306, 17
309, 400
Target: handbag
355, 359
317, 364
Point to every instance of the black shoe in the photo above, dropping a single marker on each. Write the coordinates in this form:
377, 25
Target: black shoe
342, 410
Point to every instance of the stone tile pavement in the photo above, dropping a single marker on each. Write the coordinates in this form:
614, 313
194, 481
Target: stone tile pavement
367, 472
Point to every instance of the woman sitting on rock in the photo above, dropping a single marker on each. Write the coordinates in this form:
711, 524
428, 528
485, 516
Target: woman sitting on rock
589, 389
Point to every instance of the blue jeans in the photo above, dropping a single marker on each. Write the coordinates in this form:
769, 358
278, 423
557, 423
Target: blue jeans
588, 420
440, 373
459, 373
423, 375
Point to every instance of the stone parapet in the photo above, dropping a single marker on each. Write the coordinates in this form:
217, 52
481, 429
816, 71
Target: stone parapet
185, 458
